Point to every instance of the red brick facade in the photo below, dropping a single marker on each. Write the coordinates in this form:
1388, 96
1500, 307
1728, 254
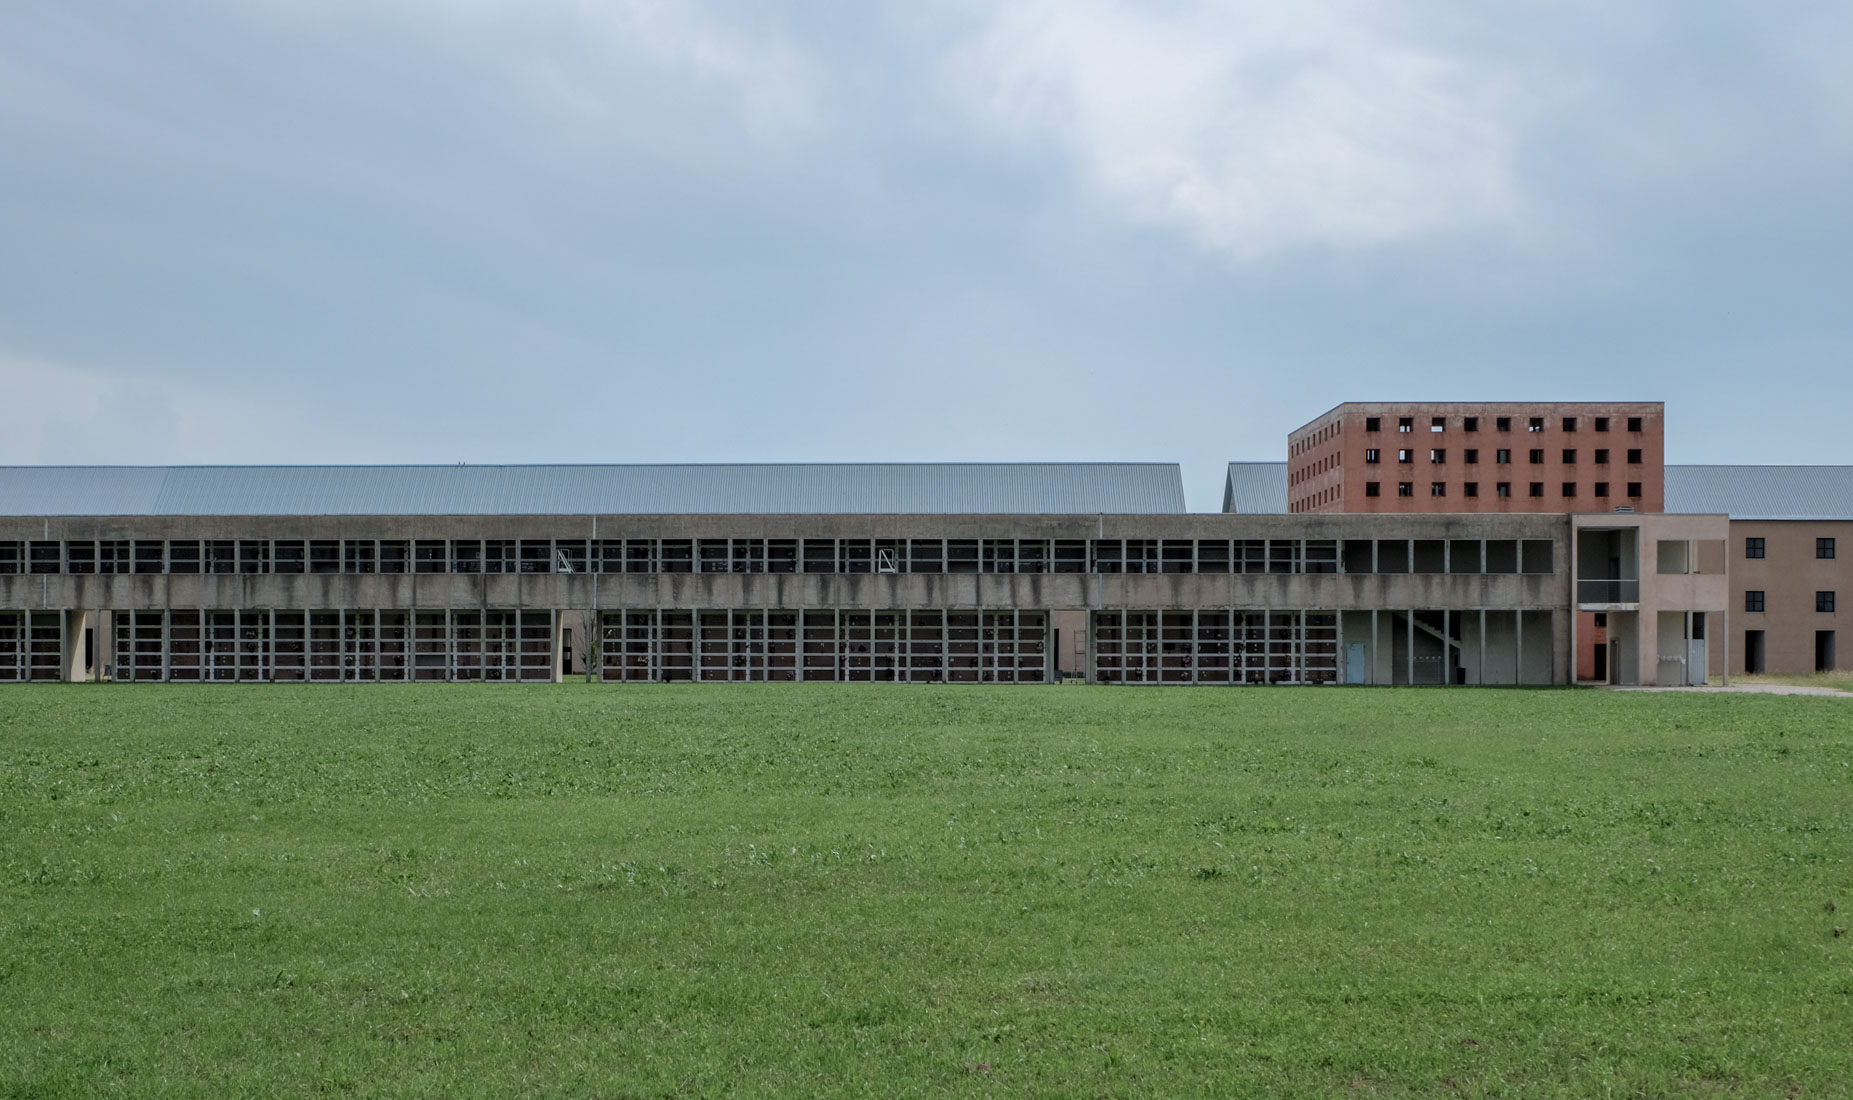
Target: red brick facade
1480, 457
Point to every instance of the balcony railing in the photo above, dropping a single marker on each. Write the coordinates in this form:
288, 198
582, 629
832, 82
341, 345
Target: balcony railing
1608, 591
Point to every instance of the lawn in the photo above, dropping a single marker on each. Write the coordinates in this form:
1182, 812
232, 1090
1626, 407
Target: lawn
822, 890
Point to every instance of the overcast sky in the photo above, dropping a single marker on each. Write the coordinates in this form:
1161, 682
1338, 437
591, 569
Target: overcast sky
576, 230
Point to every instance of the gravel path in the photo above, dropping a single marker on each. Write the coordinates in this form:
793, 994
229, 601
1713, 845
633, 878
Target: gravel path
1748, 689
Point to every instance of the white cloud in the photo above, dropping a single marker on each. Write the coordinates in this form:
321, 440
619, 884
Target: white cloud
1257, 127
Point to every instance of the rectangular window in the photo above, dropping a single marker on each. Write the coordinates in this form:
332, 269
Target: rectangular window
48, 557
288, 556
1502, 456
1753, 600
1438, 424
1470, 456
1634, 490
358, 556
324, 555
1470, 489
1602, 456
1503, 423
1823, 548
1373, 423
430, 556
1569, 457
1405, 424
1373, 488
253, 556
1536, 424
1370, 455
1405, 488
1537, 456
1634, 455
1753, 547
1438, 489
1824, 601
1537, 488
1634, 423
183, 557
1602, 423
1470, 423
1405, 455
1502, 489
1602, 488
1569, 488
1438, 455
1569, 423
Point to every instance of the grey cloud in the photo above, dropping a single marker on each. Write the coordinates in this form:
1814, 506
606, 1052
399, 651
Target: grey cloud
524, 232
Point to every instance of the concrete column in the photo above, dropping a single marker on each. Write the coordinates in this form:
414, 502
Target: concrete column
1409, 646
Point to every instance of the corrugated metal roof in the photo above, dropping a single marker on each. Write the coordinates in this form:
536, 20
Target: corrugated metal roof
763, 489
1255, 488
1762, 492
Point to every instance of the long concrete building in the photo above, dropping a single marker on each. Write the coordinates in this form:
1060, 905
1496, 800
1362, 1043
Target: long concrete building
982, 573
955, 573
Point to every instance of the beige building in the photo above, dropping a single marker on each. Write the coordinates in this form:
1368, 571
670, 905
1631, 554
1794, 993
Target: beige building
1761, 581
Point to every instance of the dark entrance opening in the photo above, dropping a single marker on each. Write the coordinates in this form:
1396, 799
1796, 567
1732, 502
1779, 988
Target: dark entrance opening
1602, 663
1753, 651
1824, 651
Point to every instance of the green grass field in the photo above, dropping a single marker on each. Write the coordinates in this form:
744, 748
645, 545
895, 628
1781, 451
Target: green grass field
842, 890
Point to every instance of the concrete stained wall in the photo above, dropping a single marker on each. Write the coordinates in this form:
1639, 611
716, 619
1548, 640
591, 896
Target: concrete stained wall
782, 591
1067, 595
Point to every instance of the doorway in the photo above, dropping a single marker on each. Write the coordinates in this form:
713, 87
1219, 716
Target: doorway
1753, 652
1824, 651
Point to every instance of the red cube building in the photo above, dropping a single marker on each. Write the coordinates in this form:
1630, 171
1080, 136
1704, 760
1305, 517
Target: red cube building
1482, 456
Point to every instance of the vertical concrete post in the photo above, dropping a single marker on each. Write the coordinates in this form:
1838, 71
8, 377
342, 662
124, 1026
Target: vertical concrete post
1518, 646
1376, 634
1409, 646
1483, 627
